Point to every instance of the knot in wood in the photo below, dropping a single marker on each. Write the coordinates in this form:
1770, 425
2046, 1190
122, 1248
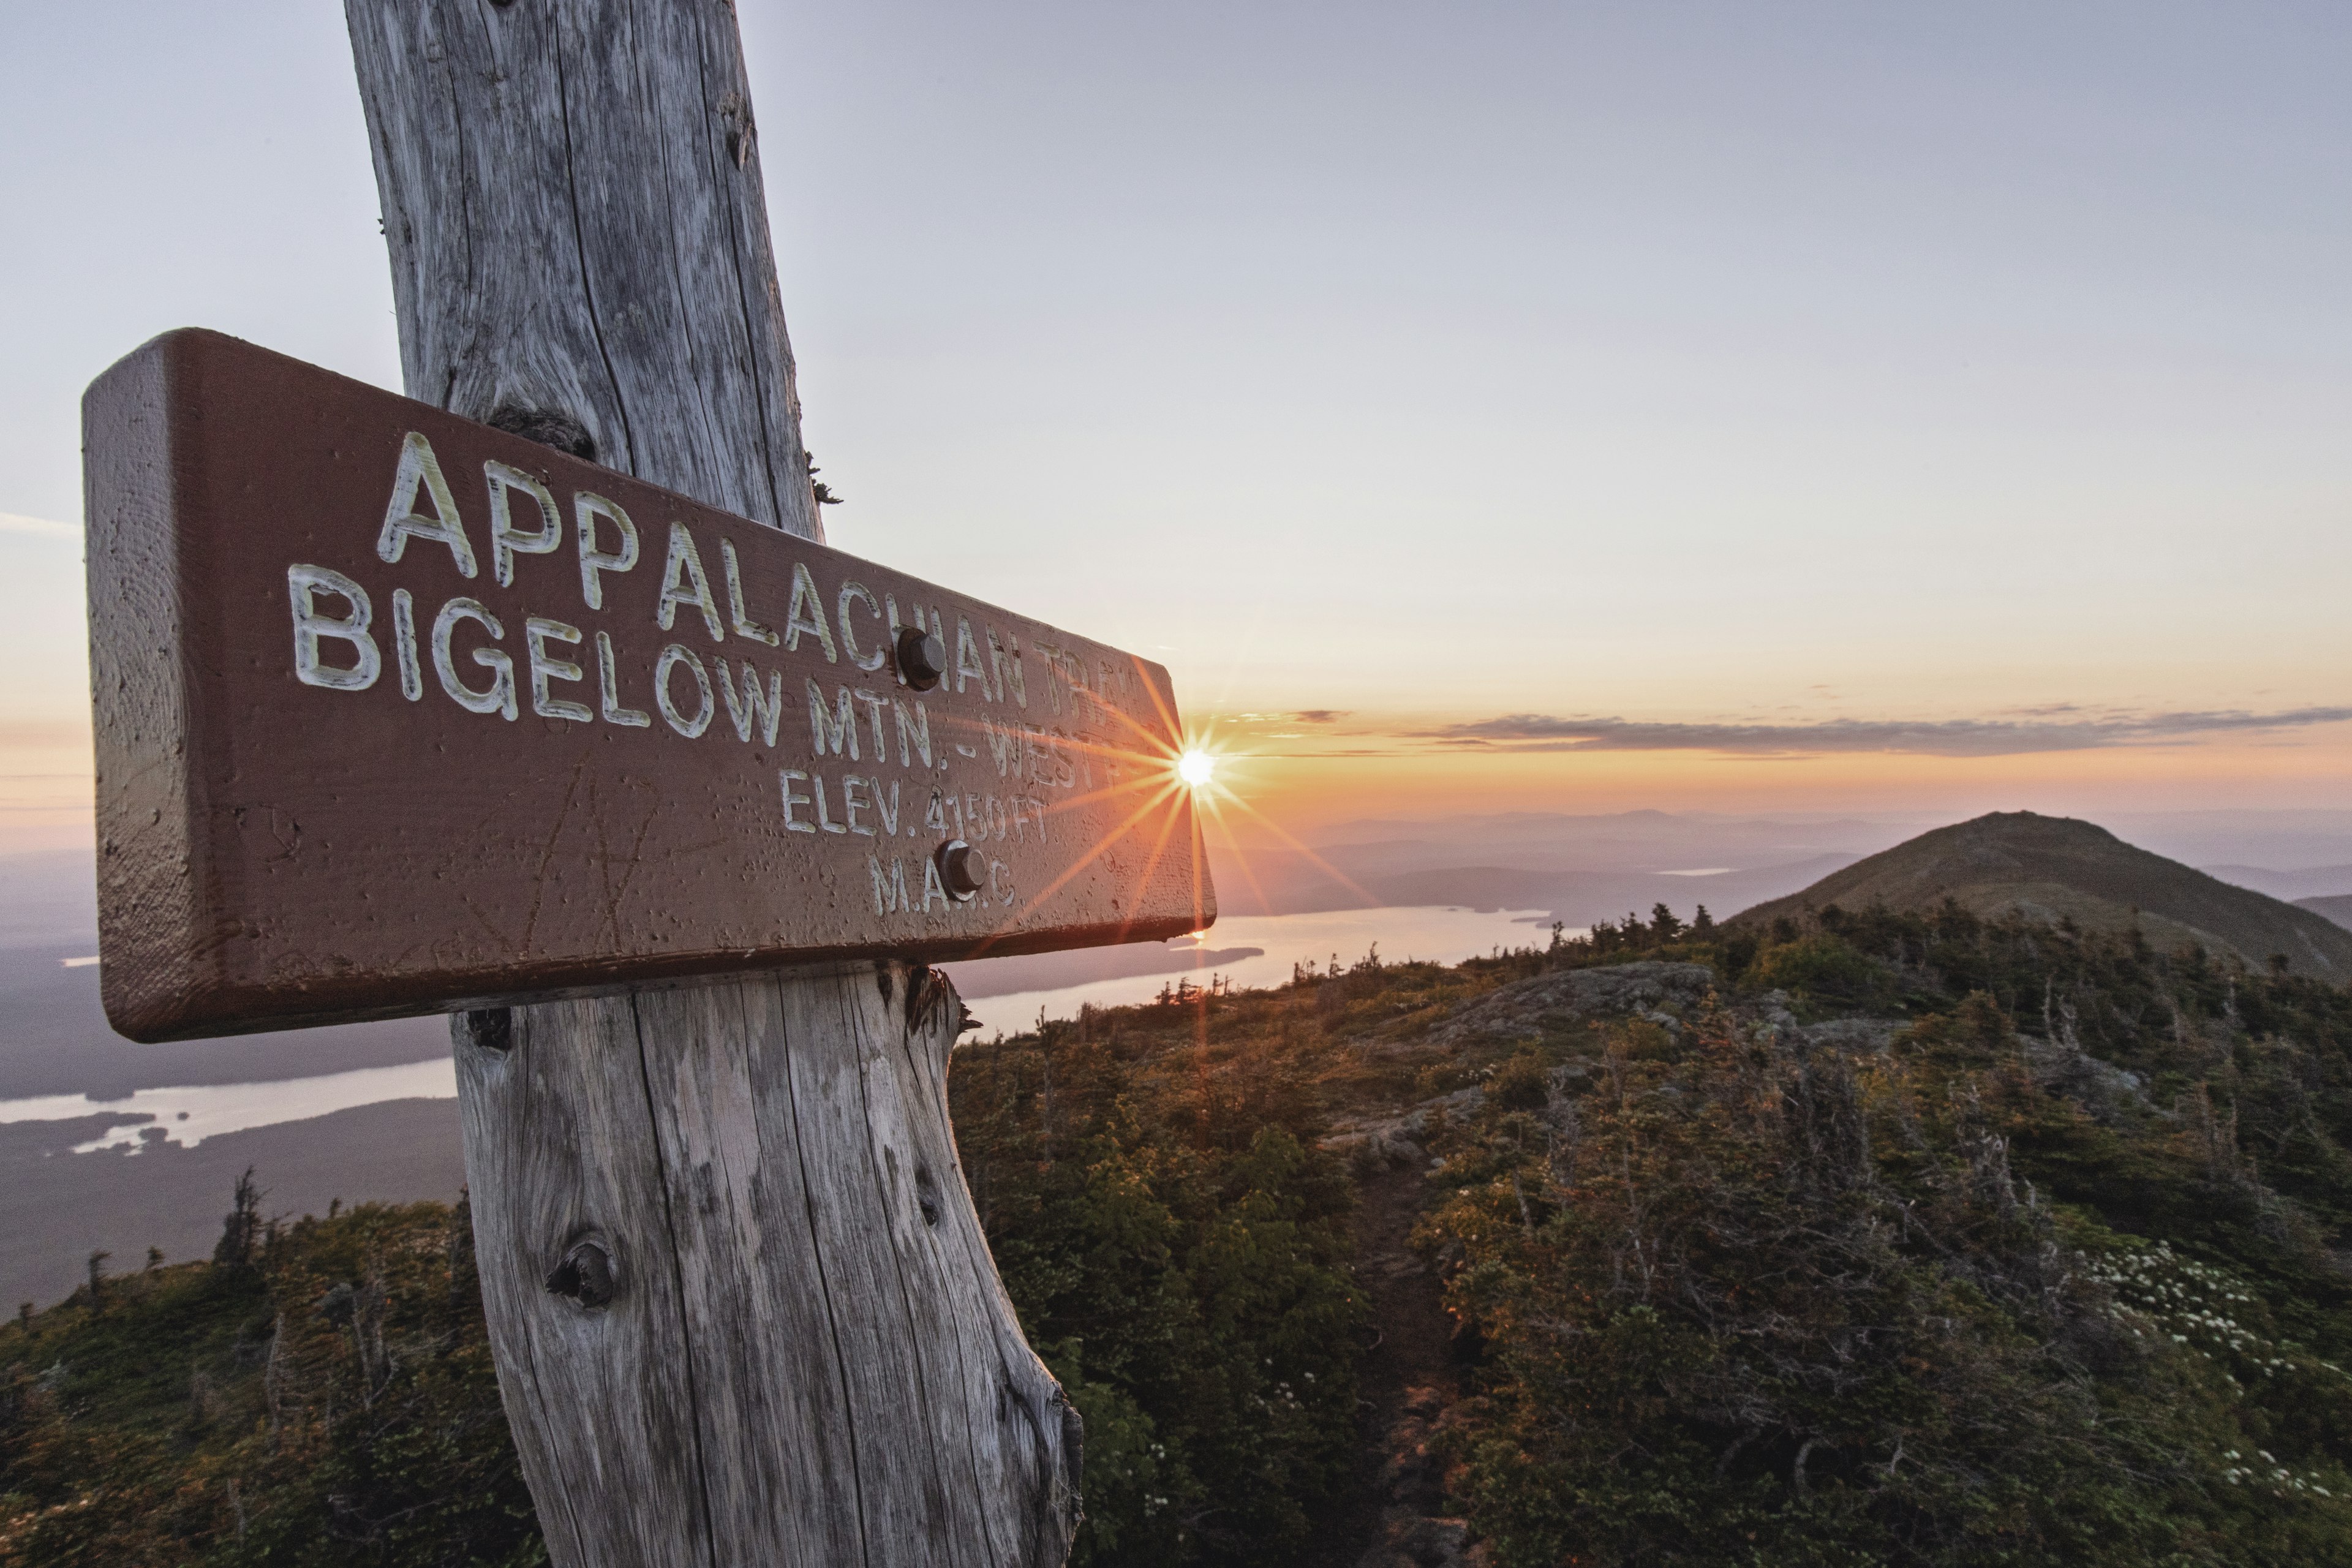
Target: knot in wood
547, 426
491, 1028
737, 115
585, 1275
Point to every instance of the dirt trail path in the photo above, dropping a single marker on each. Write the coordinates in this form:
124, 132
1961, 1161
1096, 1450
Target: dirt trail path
1406, 1378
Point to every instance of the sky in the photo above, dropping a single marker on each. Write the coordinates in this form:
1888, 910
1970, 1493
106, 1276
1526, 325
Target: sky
1793, 407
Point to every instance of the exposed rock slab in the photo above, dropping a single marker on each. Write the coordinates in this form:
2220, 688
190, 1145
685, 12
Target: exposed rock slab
1525, 1008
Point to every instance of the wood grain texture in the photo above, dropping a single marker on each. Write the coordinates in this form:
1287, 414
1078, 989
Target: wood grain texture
572, 201
148, 854
806, 1356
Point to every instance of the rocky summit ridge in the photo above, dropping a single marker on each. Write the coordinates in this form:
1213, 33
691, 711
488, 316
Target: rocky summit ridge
2055, 868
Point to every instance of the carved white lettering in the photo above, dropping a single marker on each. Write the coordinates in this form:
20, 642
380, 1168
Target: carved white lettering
914, 735
875, 702
499, 696
756, 707
1050, 657
419, 469
537, 631
889, 892
506, 541
1005, 743
807, 614
867, 661
586, 508
967, 661
1006, 666
692, 725
853, 799
403, 644
745, 626
685, 583
833, 730
303, 584
784, 778
824, 816
608, 689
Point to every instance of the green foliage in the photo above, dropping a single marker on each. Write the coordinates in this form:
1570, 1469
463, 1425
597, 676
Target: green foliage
2043, 1266
1967, 1296
1522, 1083
322, 1396
1824, 971
323, 1393
1176, 1249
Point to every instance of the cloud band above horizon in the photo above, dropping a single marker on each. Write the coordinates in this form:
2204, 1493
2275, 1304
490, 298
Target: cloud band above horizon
2063, 729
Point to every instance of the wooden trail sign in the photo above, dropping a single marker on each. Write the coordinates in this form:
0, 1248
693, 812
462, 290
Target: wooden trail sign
502, 704
397, 712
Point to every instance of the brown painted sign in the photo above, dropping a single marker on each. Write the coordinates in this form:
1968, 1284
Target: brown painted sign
398, 713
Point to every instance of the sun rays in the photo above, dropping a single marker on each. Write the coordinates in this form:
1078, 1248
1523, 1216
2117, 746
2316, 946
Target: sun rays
1136, 791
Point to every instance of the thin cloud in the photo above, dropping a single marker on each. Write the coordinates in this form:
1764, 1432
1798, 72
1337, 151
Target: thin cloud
17, 523
25, 732
2061, 728
1317, 715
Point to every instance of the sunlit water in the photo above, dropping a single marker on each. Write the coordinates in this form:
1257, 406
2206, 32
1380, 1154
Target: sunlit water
191, 1114
1439, 935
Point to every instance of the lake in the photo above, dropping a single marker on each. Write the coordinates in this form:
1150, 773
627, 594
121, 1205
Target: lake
189, 1113
1435, 934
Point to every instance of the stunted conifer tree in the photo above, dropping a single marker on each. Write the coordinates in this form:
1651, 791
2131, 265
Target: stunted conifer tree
241, 1227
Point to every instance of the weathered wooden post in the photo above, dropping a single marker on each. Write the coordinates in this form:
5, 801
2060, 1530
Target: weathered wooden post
513, 754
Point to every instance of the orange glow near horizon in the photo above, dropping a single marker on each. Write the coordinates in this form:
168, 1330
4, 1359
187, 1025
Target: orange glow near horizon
1270, 781
1309, 782
1272, 813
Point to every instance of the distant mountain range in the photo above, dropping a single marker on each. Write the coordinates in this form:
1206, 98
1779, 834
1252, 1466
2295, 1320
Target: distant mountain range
2337, 908
2294, 887
1576, 868
2053, 868
57, 1205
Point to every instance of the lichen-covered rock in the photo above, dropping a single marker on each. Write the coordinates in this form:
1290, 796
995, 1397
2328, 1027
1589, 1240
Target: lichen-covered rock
1867, 1036
2112, 1095
1376, 1141
1527, 1008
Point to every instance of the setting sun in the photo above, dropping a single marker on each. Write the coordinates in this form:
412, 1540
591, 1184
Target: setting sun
1195, 767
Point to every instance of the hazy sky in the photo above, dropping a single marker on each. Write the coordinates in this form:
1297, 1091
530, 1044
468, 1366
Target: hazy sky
1633, 389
